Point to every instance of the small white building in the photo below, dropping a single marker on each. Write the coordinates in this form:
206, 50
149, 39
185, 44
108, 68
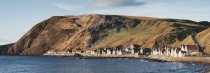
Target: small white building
113, 52
167, 51
104, 51
180, 54
132, 51
92, 52
141, 50
108, 52
119, 52
126, 50
155, 52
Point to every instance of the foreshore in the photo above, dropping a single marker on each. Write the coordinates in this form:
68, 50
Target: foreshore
191, 59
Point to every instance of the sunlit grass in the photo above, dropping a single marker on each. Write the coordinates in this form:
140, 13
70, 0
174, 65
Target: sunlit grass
116, 38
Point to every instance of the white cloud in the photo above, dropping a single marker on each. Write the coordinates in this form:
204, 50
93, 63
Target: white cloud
115, 3
178, 10
68, 7
97, 4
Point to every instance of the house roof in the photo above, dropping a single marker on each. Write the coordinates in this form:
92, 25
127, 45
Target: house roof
192, 47
178, 49
147, 50
119, 47
136, 45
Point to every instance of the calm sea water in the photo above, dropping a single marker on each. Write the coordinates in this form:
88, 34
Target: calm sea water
28, 64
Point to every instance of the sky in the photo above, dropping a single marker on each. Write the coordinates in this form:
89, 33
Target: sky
19, 16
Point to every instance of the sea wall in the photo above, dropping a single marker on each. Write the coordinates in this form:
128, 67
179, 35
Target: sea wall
191, 59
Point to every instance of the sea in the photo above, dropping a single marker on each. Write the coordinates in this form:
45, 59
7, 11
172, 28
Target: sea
52, 64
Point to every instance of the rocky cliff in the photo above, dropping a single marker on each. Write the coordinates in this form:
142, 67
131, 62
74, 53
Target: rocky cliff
4, 48
84, 32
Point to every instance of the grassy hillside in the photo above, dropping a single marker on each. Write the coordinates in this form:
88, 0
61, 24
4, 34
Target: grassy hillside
204, 40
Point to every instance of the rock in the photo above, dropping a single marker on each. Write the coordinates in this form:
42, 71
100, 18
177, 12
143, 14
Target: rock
4, 48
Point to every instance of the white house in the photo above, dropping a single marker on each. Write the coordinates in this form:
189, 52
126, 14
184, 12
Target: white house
167, 51
126, 50
141, 50
119, 52
184, 50
180, 54
92, 52
108, 52
104, 51
155, 52
113, 52
190, 49
132, 51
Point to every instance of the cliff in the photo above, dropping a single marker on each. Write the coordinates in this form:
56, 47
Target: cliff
5, 48
84, 32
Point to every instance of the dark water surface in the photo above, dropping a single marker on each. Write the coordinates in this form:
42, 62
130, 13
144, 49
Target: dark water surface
29, 64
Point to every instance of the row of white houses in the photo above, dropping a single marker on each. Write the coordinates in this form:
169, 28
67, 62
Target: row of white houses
120, 50
182, 51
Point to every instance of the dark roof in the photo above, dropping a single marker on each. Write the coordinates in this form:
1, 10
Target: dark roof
136, 45
192, 47
178, 49
147, 50
119, 47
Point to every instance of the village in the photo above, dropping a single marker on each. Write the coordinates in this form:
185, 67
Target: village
134, 50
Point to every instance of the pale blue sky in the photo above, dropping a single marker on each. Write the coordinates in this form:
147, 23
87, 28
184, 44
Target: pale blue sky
18, 16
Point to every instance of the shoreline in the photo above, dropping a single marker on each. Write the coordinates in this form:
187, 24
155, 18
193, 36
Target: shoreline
155, 58
197, 60
192, 59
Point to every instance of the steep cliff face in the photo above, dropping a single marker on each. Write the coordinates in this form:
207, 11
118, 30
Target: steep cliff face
100, 31
5, 48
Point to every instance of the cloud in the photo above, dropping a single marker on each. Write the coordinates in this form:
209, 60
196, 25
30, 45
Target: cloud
62, 6
180, 9
116, 3
176, 10
96, 4
68, 7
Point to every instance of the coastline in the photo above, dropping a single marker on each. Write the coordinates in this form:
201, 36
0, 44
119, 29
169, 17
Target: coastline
191, 59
